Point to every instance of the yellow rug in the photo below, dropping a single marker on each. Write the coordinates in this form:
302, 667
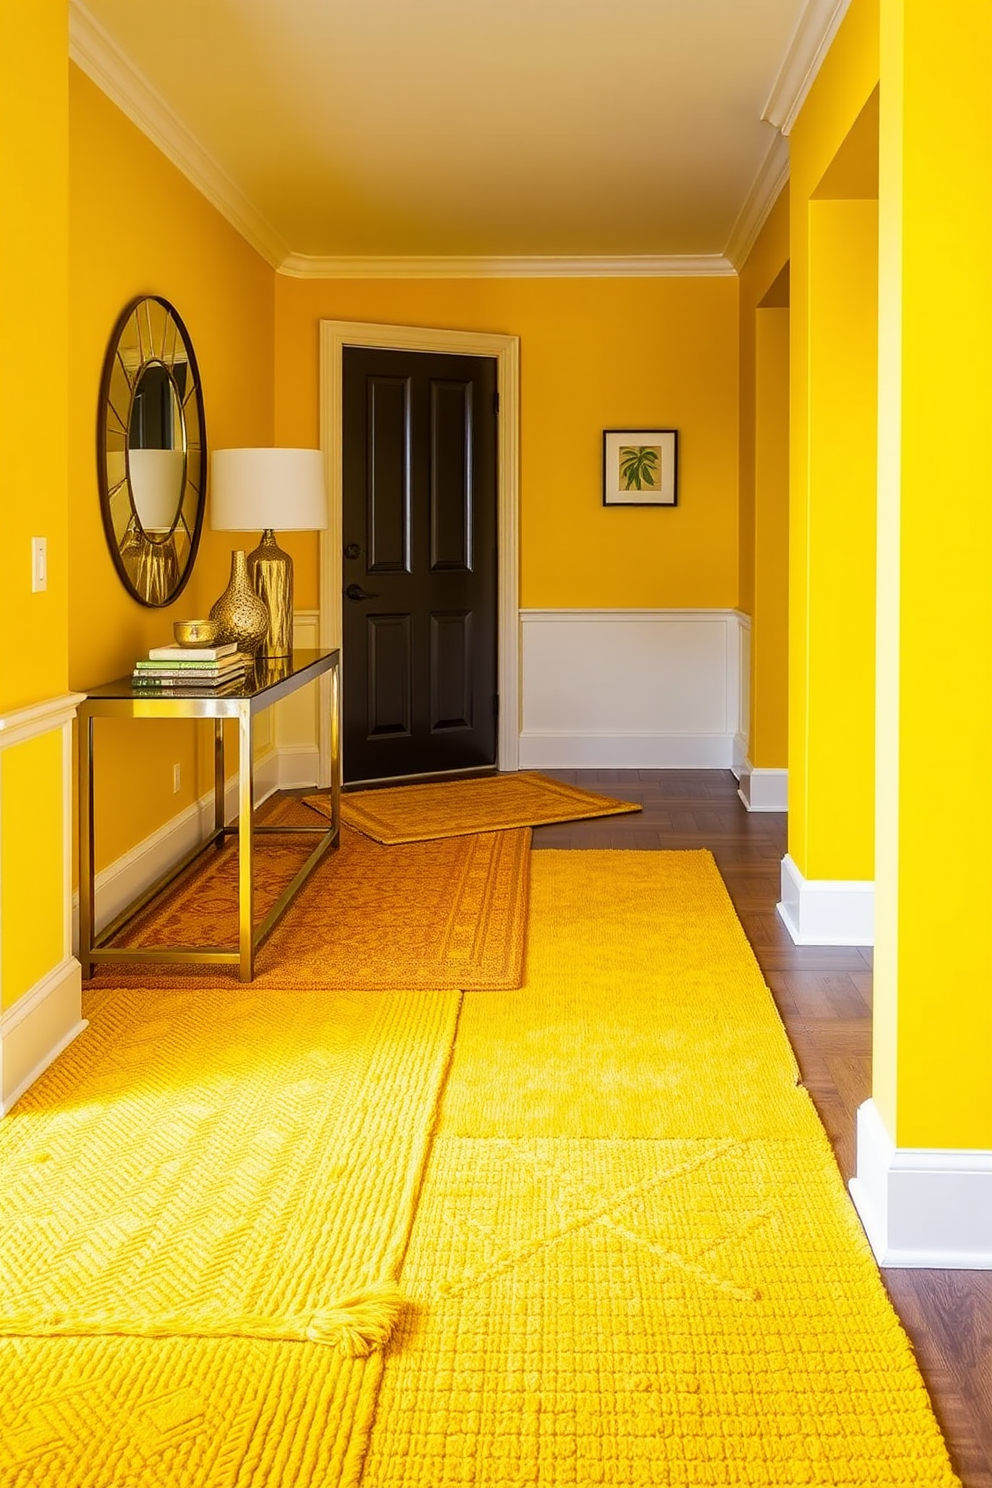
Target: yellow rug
453, 808
640, 1266
207, 1200
451, 913
644, 1013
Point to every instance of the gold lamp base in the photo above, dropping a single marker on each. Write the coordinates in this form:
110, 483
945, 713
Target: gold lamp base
270, 571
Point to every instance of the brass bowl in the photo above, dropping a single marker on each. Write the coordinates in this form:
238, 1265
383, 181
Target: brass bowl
196, 632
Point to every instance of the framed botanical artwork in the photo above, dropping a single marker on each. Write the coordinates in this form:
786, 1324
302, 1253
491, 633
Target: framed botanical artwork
640, 467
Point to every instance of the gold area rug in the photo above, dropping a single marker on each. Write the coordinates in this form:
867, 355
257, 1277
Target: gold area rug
451, 913
643, 1266
453, 808
206, 1204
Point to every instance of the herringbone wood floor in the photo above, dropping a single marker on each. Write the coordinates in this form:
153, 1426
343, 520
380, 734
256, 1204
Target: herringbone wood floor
824, 997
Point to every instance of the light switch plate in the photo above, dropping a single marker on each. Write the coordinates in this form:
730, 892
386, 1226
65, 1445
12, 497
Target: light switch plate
39, 564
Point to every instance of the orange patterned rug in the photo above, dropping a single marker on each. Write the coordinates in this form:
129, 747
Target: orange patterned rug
455, 808
450, 914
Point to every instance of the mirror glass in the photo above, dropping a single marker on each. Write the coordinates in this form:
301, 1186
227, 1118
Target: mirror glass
151, 451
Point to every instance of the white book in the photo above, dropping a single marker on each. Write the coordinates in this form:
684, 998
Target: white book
191, 653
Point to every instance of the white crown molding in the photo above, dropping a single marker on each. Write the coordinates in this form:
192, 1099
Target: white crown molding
95, 51
450, 266
765, 190
816, 28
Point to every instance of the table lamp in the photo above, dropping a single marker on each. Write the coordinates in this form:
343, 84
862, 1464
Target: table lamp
268, 488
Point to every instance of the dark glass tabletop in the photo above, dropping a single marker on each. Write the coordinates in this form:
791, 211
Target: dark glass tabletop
266, 678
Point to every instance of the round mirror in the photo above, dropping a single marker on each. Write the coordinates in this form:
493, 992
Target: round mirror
151, 451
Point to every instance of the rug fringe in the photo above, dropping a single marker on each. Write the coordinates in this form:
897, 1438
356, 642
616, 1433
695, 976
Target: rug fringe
357, 1325
361, 1323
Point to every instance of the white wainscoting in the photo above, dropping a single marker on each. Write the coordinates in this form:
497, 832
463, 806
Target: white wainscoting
632, 688
46, 1017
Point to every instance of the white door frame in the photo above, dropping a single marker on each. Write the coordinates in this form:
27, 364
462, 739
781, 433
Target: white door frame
335, 335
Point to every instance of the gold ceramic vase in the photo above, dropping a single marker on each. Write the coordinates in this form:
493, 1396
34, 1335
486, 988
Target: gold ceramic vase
240, 613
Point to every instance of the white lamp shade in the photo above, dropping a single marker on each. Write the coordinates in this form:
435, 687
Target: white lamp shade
257, 488
156, 477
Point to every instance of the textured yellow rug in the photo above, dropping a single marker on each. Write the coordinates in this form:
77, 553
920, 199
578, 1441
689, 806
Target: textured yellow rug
452, 808
634, 1261
451, 913
206, 1204
644, 1013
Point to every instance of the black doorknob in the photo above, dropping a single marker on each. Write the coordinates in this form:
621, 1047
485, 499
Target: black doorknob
355, 591
352, 550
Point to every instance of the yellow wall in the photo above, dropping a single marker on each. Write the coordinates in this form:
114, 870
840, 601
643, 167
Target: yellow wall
137, 227
764, 482
33, 380
768, 746
33, 347
832, 461
836, 837
32, 899
933, 1021
595, 354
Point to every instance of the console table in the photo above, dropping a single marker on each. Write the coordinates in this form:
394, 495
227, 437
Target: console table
266, 684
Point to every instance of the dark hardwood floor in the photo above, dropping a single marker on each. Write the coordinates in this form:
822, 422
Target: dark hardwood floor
824, 997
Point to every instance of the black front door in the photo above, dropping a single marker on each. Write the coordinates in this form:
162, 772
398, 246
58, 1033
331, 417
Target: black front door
419, 531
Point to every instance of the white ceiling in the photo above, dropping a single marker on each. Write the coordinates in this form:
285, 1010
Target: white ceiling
362, 130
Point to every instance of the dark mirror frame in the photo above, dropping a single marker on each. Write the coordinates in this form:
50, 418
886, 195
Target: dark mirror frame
153, 567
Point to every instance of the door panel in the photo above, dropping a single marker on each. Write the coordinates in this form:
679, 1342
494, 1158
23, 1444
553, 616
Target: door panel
451, 671
390, 677
389, 475
419, 647
451, 475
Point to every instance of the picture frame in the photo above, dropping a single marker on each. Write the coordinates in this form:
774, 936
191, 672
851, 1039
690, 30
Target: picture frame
640, 467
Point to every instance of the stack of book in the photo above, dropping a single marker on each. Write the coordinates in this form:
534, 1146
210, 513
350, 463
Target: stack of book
188, 669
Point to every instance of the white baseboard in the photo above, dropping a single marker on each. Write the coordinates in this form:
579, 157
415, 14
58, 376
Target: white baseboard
763, 789
122, 881
922, 1207
822, 911
35, 1030
586, 751
739, 763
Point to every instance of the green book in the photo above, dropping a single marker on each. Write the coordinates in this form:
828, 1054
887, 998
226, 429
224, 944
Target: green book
147, 664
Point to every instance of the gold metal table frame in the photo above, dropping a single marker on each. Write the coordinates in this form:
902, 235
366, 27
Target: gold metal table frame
268, 683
